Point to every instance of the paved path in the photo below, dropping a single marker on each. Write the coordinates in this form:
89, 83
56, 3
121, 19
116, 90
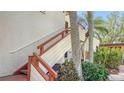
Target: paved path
119, 76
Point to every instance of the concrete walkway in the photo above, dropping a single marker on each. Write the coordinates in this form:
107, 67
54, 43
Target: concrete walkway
119, 76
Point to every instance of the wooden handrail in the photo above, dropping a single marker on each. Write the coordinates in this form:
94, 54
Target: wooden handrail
63, 34
35, 60
50, 70
50, 39
41, 72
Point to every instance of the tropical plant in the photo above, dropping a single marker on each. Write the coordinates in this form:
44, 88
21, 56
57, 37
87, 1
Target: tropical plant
110, 57
100, 30
112, 29
94, 72
68, 72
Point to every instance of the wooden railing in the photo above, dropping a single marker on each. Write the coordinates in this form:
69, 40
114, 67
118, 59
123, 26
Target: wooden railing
53, 41
36, 59
115, 45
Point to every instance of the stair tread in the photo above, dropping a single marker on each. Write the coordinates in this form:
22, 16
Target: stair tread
24, 71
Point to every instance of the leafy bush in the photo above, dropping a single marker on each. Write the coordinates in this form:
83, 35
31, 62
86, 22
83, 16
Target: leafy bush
110, 57
68, 72
94, 72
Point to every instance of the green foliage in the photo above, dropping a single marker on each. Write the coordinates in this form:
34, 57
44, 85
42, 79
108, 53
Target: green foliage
109, 30
68, 72
94, 72
100, 30
115, 27
110, 57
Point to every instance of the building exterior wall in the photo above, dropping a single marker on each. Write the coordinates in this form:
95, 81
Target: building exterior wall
95, 44
86, 47
21, 32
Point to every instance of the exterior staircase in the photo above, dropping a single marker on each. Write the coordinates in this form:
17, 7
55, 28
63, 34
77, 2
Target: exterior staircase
38, 61
51, 52
24, 73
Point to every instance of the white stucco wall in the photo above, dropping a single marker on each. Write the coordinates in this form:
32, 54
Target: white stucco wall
95, 44
18, 29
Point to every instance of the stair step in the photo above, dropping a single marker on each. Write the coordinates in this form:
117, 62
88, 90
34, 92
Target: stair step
24, 71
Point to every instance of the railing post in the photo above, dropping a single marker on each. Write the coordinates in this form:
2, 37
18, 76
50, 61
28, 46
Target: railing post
51, 78
66, 30
35, 61
41, 50
29, 67
63, 34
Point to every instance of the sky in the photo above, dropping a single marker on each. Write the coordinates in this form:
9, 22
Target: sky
103, 14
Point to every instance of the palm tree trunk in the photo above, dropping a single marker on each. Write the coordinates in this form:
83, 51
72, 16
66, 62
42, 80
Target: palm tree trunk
75, 41
90, 29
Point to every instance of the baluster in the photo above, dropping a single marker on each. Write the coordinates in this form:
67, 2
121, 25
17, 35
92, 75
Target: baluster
41, 50
29, 67
63, 34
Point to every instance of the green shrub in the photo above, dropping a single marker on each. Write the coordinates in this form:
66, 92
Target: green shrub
68, 72
94, 72
110, 57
